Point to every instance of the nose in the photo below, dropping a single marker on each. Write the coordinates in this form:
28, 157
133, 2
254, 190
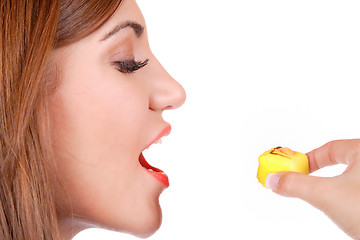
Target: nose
166, 93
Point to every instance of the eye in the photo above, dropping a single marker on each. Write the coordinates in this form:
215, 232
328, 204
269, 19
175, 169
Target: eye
129, 66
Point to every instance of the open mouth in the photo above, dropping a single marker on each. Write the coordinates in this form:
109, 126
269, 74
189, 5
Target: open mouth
155, 172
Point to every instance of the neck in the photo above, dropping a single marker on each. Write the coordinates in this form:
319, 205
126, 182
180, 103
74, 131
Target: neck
70, 226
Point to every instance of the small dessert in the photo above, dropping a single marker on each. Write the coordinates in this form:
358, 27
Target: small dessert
279, 160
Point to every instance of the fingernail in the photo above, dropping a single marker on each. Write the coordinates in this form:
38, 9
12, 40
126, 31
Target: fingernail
272, 181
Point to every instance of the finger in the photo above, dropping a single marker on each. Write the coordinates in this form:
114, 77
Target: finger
314, 190
334, 152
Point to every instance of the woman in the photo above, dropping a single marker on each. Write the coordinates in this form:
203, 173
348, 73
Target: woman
81, 97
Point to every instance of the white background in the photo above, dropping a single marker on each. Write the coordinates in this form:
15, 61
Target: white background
258, 74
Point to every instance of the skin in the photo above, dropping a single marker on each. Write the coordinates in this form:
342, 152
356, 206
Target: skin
338, 197
102, 119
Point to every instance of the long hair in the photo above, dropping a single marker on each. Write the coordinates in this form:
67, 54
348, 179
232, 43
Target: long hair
29, 31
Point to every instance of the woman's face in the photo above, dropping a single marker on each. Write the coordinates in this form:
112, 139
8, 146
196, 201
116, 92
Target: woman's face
106, 110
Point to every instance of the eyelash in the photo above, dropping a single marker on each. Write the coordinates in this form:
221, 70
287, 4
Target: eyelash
130, 66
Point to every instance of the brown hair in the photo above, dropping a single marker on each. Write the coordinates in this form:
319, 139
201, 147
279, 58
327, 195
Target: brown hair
30, 30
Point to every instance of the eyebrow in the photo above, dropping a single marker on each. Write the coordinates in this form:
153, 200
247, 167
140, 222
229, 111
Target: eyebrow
138, 29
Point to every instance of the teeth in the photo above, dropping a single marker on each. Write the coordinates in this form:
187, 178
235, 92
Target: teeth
150, 170
158, 141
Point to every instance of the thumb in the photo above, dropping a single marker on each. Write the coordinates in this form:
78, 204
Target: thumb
314, 190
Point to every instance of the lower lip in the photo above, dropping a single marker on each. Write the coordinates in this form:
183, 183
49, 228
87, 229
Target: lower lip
155, 172
163, 179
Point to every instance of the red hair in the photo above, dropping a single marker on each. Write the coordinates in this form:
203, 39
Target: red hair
30, 30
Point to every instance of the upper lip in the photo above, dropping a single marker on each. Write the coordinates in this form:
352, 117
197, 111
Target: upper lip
165, 132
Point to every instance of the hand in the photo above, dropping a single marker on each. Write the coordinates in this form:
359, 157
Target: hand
338, 197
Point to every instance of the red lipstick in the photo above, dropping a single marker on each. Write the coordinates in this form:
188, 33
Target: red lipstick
165, 132
157, 173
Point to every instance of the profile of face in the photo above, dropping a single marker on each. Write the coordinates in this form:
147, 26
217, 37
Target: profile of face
106, 110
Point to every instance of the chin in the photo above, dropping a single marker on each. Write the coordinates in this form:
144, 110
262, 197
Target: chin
142, 223
149, 225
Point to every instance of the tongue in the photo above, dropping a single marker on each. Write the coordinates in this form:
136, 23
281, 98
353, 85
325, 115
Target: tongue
146, 165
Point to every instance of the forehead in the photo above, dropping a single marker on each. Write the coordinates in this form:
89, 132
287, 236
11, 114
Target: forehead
128, 11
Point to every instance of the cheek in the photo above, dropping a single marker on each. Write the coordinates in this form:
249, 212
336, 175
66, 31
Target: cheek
97, 127
100, 111
96, 122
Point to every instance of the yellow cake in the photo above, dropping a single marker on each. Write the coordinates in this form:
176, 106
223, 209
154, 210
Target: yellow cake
281, 159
